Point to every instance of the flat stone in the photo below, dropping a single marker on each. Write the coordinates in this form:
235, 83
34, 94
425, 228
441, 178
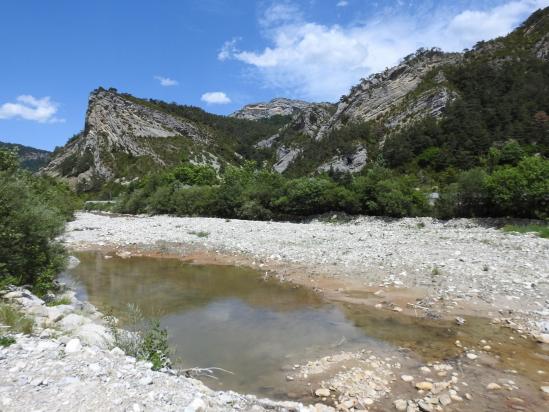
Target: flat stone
493, 386
400, 404
439, 387
444, 399
425, 406
407, 378
472, 356
544, 389
425, 386
322, 392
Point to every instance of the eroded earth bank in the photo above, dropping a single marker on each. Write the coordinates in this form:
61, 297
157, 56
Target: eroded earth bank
485, 290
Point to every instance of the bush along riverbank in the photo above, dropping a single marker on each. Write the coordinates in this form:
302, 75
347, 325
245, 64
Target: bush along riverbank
66, 358
516, 188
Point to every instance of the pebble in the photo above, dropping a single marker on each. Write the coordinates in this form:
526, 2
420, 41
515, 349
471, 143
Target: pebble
400, 404
472, 356
493, 386
407, 378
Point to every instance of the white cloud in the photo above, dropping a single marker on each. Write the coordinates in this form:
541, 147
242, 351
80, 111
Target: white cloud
321, 62
166, 81
215, 98
31, 108
280, 13
342, 3
228, 49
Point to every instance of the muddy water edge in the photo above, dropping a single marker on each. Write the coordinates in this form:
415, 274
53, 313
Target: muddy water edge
286, 341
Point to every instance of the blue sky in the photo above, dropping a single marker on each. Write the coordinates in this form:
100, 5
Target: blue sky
216, 54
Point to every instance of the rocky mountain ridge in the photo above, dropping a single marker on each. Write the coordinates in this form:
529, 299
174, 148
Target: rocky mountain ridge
126, 137
31, 158
279, 106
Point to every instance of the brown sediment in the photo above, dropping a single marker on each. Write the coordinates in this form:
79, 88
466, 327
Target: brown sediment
327, 281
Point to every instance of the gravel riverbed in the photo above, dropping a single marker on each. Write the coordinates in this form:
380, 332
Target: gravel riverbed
460, 262
69, 362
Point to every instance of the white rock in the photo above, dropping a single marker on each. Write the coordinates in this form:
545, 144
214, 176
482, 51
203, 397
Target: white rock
146, 380
400, 404
197, 405
322, 392
94, 334
117, 351
72, 322
73, 346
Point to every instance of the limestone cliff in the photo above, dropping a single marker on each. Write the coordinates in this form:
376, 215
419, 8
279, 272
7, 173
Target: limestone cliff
124, 138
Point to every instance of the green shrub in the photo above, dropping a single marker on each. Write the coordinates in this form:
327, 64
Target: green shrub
6, 341
33, 211
522, 190
141, 338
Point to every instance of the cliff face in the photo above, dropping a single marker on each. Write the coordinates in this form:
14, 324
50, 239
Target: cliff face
389, 99
276, 107
123, 139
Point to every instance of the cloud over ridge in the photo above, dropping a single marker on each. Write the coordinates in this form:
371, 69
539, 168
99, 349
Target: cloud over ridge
321, 62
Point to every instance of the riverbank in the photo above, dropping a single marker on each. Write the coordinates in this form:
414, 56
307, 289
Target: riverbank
364, 261
414, 265
69, 363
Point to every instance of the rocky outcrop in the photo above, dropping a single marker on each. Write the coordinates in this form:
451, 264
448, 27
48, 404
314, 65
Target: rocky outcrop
351, 163
541, 49
389, 99
430, 103
265, 110
380, 93
307, 121
119, 128
284, 157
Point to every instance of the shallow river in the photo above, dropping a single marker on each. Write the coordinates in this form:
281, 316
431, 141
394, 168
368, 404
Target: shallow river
229, 317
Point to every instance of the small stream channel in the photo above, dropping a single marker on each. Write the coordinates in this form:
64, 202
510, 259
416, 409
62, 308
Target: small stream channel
229, 317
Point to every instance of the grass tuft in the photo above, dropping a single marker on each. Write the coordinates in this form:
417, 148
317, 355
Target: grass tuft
540, 230
58, 302
15, 320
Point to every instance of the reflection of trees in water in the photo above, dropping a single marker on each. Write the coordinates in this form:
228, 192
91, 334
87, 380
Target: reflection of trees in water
165, 286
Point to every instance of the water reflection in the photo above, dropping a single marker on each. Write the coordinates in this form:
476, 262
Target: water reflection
229, 317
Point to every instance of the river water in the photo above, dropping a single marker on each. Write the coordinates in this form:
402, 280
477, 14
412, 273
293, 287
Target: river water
231, 318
